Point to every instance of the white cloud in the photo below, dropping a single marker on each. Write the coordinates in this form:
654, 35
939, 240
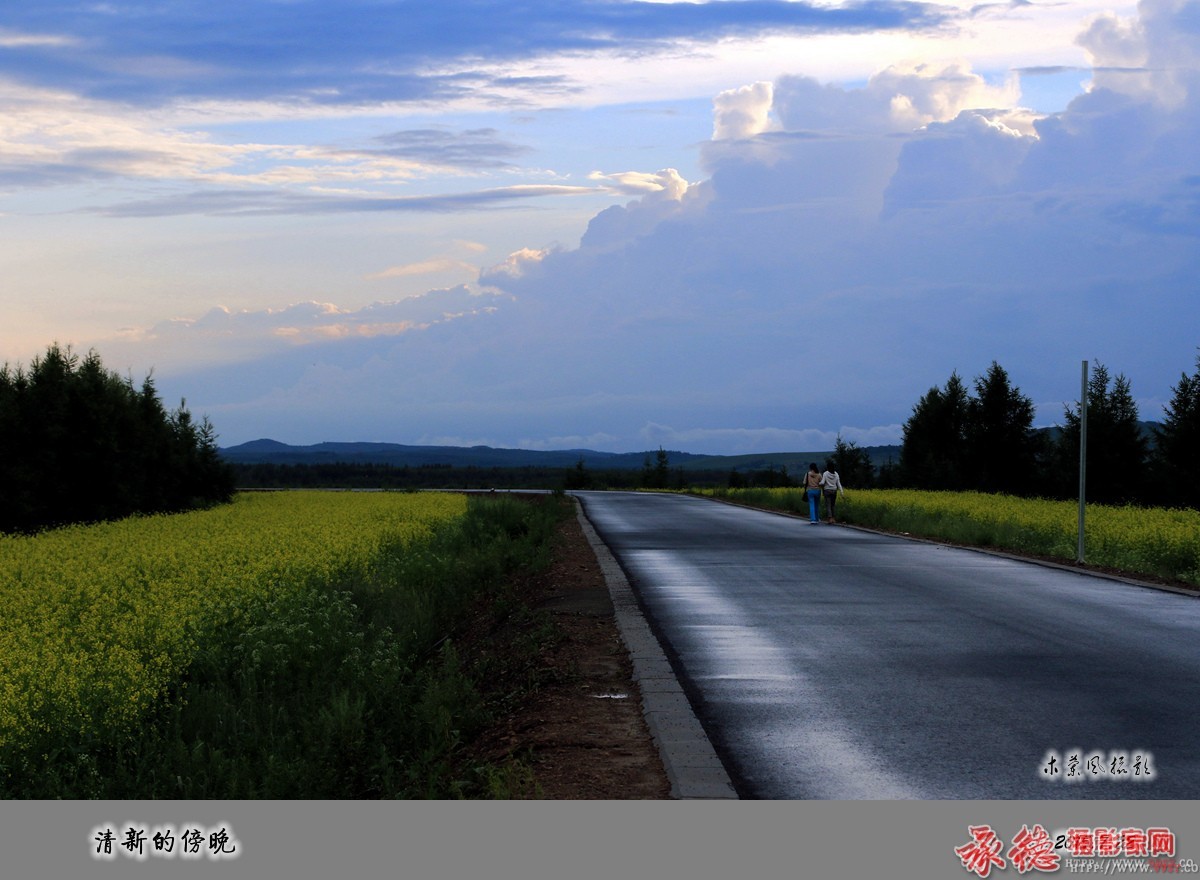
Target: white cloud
921, 93
664, 195
851, 247
1153, 57
51, 136
834, 269
763, 440
16, 40
667, 182
742, 113
224, 335
900, 98
517, 264
599, 440
1115, 42
426, 267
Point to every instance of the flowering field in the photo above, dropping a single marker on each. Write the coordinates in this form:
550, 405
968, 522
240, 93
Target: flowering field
1150, 541
102, 622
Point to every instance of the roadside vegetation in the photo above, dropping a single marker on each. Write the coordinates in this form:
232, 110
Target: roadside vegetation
1160, 543
165, 637
979, 437
974, 471
985, 441
288, 645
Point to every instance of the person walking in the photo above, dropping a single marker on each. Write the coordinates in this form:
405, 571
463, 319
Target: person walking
831, 485
812, 488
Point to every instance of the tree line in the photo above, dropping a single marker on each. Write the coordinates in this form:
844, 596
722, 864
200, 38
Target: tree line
368, 475
80, 443
983, 439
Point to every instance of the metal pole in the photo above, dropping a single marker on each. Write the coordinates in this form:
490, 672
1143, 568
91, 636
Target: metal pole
1083, 402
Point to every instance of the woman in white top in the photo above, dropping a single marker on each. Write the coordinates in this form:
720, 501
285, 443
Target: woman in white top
831, 483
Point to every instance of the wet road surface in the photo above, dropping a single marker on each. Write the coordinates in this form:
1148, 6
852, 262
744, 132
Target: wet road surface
828, 662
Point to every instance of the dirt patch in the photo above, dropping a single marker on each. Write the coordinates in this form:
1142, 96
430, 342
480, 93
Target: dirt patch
572, 726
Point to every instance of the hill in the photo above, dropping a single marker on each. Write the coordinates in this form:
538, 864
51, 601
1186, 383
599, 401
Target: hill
398, 455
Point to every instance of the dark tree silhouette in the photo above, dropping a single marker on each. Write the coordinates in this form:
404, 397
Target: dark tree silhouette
853, 464
658, 474
79, 443
1176, 458
933, 449
1001, 445
1116, 447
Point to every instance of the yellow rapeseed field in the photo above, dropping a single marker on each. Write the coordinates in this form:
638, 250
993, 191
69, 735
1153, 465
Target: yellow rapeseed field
100, 621
1152, 541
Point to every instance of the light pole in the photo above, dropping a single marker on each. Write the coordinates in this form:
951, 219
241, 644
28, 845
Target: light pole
1083, 402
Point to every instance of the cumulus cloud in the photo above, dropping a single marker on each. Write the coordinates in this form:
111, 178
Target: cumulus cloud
1152, 57
850, 248
516, 265
668, 183
742, 113
665, 192
830, 271
1113, 42
900, 98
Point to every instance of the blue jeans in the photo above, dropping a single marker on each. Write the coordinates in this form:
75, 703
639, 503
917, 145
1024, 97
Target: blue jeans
814, 496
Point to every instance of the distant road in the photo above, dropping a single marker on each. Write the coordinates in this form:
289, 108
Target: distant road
828, 662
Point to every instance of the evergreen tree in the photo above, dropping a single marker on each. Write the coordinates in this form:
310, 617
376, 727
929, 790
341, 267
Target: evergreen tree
853, 464
658, 474
933, 449
1177, 449
888, 475
79, 443
771, 478
578, 476
1116, 447
1001, 446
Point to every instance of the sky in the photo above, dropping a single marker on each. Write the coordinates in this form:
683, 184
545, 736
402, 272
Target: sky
721, 227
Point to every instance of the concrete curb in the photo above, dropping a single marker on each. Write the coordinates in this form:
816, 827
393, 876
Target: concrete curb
692, 765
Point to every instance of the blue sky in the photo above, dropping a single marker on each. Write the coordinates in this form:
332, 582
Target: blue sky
723, 227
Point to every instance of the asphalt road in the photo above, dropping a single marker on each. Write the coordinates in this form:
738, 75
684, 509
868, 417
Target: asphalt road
829, 662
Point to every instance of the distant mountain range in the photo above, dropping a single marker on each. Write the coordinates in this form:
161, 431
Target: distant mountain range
398, 455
